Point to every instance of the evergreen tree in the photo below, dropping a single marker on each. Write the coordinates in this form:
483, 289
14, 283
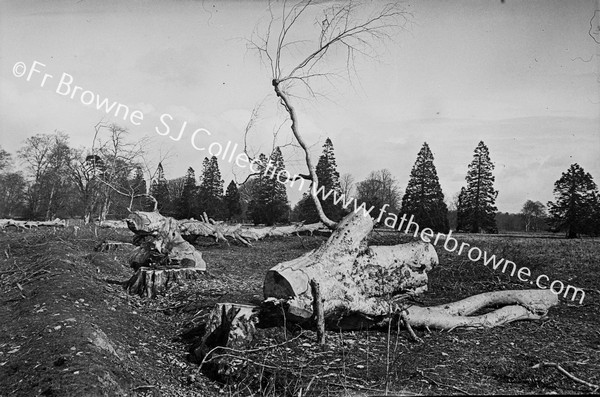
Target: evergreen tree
461, 210
423, 197
160, 192
270, 203
478, 203
187, 202
232, 201
139, 187
210, 193
577, 205
329, 178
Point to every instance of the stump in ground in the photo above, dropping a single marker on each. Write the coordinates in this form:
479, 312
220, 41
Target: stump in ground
163, 257
148, 282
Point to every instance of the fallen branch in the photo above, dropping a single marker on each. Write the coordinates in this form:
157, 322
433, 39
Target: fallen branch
567, 374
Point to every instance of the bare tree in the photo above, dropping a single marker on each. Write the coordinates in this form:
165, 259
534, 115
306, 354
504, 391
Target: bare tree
378, 189
345, 26
347, 184
532, 212
113, 162
46, 157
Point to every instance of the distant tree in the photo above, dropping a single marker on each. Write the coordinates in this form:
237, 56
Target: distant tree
577, 205
477, 212
5, 159
160, 191
210, 192
186, 205
47, 158
12, 188
270, 204
347, 184
232, 200
12, 194
139, 188
378, 189
423, 197
533, 212
461, 210
329, 179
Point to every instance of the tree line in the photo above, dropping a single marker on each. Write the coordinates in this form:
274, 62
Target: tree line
109, 180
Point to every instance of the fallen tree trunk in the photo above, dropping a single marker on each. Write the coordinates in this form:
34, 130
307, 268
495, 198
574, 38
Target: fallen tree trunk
353, 277
360, 287
4, 223
219, 230
207, 227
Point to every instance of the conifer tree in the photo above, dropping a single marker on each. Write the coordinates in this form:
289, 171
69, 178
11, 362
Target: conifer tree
270, 203
461, 210
160, 192
577, 205
329, 179
186, 206
478, 207
232, 201
138, 186
423, 197
210, 192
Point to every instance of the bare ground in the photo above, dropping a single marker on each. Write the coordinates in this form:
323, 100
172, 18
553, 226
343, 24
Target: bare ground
67, 328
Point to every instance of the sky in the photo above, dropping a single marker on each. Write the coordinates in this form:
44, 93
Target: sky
522, 76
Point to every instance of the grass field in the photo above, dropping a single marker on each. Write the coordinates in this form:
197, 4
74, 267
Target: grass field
67, 327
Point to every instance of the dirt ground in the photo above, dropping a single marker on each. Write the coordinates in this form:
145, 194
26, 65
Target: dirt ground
67, 327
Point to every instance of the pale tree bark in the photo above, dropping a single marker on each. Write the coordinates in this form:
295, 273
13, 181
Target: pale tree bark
361, 287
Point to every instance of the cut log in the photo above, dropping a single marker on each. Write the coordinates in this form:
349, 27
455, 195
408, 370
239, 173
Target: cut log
4, 223
149, 283
353, 278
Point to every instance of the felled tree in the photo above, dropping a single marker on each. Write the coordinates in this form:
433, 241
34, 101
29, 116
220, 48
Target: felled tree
356, 281
478, 212
423, 197
577, 204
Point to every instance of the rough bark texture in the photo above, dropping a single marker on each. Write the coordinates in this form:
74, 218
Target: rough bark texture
160, 243
232, 326
353, 278
149, 283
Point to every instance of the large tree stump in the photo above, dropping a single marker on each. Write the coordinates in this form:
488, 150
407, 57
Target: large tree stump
163, 256
149, 283
353, 278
